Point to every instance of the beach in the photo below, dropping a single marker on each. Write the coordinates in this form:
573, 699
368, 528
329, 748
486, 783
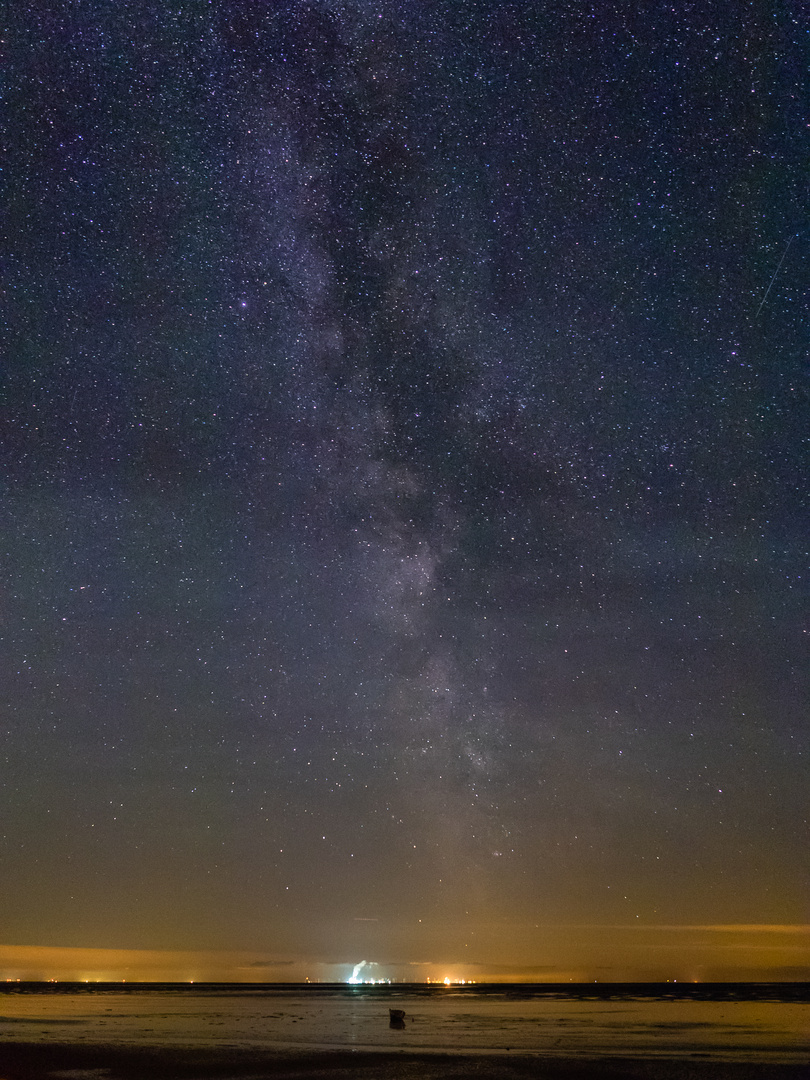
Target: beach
185, 1032
64, 1061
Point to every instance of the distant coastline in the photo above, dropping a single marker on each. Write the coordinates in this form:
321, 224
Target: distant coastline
798, 991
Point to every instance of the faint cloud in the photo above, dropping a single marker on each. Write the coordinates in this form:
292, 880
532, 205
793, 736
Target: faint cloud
268, 963
718, 928
733, 928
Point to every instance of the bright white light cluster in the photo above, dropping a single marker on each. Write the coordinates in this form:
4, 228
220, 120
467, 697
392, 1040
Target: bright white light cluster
355, 980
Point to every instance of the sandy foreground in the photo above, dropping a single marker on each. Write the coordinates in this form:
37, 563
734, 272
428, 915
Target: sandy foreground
62, 1061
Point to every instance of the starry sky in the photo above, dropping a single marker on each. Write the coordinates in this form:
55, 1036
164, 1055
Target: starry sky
403, 528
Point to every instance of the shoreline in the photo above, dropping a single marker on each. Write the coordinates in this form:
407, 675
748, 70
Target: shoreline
20, 1060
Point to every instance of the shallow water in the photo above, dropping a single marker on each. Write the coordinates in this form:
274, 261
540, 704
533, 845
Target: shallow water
437, 1019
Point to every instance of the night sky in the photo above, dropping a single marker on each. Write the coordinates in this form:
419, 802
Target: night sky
403, 526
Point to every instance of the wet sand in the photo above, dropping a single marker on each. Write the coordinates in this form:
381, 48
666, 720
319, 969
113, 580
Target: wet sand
64, 1061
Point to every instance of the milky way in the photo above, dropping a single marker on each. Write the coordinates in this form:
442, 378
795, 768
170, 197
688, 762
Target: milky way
403, 501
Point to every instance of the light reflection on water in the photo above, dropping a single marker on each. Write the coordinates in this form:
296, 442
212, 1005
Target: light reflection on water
295, 1019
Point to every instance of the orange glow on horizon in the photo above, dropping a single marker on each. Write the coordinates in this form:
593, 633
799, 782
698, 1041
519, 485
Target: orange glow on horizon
720, 953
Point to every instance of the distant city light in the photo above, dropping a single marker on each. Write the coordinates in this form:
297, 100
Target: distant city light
355, 980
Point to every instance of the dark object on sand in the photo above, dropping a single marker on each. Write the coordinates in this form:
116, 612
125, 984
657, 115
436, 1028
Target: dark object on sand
397, 1018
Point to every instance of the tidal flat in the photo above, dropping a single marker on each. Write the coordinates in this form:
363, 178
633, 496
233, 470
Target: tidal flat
181, 1031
